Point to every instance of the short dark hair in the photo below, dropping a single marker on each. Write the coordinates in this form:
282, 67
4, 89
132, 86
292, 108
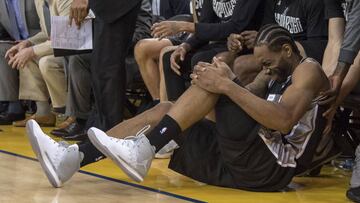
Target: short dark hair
274, 36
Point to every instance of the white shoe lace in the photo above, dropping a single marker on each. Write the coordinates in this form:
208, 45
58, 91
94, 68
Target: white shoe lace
140, 132
131, 137
143, 130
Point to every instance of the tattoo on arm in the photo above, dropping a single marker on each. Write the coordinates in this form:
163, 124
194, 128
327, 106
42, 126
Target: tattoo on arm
342, 69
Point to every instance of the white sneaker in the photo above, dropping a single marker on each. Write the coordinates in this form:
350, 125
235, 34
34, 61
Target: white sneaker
167, 150
133, 154
58, 160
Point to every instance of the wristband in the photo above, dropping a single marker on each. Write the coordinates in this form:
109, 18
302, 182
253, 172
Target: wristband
237, 81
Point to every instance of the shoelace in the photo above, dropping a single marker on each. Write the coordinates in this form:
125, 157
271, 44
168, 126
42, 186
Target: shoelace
140, 132
129, 139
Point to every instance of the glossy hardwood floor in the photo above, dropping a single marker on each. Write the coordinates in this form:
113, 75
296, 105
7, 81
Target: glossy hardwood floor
21, 180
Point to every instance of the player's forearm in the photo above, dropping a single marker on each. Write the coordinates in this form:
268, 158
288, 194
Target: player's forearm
331, 55
187, 27
342, 68
350, 82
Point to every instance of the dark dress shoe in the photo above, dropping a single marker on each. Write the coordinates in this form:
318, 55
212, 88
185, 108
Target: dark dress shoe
9, 118
59, 132
354, 194
74, 131
71, 129
77, 137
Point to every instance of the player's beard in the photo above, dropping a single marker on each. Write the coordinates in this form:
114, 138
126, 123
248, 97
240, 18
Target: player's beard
282, 71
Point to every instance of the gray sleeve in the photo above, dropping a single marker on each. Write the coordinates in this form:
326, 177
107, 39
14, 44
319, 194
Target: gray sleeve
351, 44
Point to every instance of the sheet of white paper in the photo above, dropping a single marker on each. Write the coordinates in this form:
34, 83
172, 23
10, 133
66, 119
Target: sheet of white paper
64, 36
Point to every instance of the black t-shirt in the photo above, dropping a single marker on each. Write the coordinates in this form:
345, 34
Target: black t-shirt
303, 18
170, 8
335, 8
220, 18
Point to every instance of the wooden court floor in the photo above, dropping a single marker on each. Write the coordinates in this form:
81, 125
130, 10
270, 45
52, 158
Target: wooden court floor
21, 180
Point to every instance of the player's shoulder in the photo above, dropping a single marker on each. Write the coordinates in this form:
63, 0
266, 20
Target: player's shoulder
309, 69
308, 65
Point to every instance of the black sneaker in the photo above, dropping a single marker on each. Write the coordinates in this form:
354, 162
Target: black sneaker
354, 194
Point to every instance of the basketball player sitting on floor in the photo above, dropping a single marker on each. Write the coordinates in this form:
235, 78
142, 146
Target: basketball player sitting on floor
255, 144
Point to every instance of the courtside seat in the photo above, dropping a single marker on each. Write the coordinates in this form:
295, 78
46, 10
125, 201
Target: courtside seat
136, 91
346, 125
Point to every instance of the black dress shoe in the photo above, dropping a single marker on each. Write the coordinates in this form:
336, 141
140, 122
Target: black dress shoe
9, 118
74, 131
77, 137
354, 194
60, 132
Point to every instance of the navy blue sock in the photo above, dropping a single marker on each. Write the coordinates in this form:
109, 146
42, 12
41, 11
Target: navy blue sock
15, 107
164, 132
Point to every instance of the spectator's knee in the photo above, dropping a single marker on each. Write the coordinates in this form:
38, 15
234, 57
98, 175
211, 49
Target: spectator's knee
44, 64
142, 49
226, 57
244, 65
166, 50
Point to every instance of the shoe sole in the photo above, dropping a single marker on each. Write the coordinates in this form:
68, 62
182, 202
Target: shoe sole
44, 161
127, 169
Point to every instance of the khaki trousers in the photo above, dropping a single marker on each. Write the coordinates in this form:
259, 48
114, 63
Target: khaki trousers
44, 78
